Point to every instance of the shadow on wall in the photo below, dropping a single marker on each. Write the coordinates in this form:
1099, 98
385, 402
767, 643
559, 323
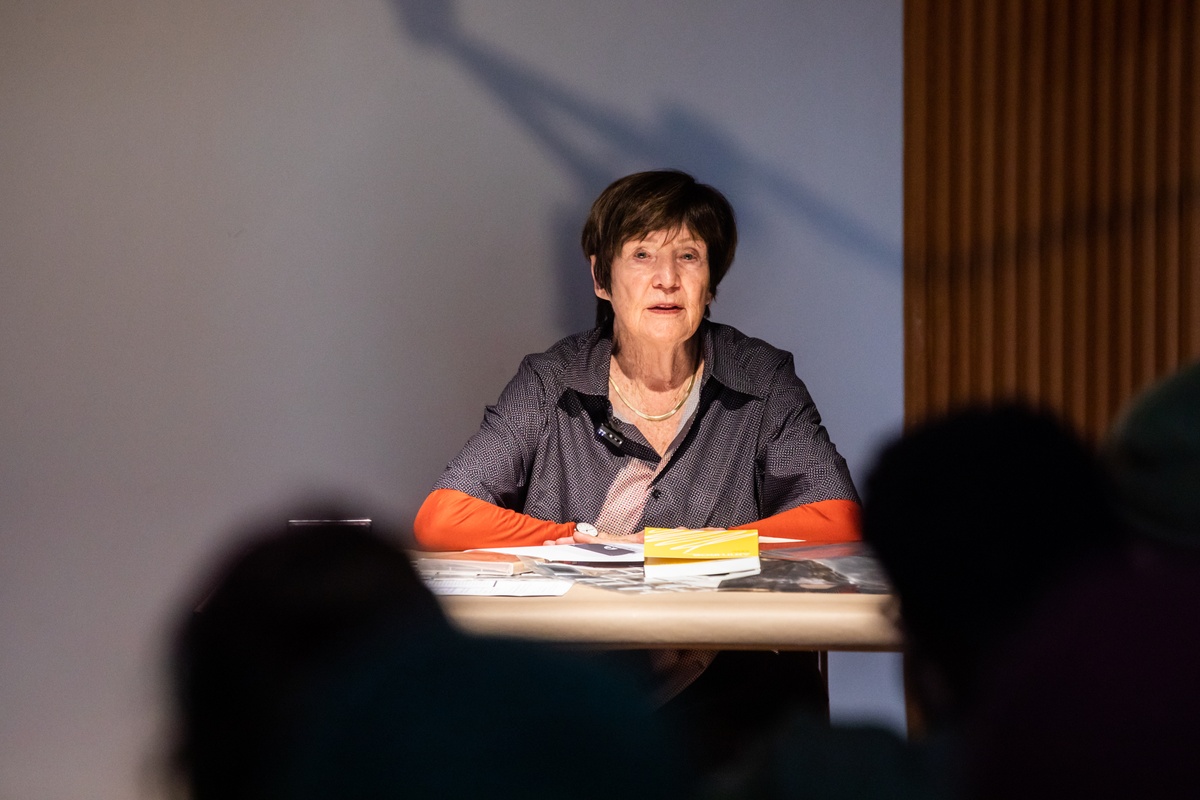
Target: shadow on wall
594, 141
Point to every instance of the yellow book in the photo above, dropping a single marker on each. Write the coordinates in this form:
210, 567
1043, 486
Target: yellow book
697, 543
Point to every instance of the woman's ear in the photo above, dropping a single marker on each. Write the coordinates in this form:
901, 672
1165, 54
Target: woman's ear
600, 291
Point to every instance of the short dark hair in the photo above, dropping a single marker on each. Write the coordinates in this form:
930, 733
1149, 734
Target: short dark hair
665, 199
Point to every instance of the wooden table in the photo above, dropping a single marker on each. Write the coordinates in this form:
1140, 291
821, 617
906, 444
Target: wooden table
594, 617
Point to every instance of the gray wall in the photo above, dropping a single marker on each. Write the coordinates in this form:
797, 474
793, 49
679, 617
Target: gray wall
252, 249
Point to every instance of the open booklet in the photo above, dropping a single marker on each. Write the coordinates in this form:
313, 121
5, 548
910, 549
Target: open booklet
598, 553
844, 567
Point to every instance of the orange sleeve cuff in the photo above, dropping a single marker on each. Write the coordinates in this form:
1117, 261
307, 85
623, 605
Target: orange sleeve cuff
453, 520
823, 522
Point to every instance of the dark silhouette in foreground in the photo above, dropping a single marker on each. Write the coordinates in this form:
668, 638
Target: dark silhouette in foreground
319, 666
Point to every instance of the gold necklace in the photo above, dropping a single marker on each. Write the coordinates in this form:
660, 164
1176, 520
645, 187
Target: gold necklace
655, 417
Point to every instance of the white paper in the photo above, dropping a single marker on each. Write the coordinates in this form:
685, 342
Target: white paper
581, 553
499, 587
705, 581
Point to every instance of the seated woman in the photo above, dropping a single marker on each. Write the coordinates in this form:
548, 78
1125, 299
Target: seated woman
656, 417
659, 418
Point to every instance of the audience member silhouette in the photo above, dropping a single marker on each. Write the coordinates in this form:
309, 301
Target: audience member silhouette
1099, 697
1153, 452
279, 603
318, 666
975, 517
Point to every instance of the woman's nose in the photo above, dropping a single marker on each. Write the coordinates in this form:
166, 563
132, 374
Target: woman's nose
667, 274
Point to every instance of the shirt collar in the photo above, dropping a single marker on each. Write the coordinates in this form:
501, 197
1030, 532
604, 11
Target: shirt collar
723, 359
588, 374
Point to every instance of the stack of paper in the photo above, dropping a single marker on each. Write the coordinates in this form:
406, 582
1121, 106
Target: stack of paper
674, 553
470, 563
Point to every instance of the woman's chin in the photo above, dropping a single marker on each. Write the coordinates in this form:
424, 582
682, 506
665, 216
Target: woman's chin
673, 333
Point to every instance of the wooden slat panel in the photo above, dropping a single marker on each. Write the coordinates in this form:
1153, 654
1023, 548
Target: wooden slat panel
984, 201
941, 129
1051, 219
916, 200
1055, 342
1080, 216
1031, 314
961, 335
1190, 188
1148, 291
1100, 245
1008, 202
1123, 201
1169, 348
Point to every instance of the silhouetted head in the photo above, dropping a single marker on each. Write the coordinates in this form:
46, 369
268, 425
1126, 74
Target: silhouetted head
657, 201
280, 604
1154, 455
974, 516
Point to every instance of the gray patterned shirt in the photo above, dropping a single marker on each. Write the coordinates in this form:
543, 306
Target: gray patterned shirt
551, 448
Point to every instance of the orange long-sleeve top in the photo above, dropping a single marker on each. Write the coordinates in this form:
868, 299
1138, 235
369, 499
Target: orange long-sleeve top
453, 520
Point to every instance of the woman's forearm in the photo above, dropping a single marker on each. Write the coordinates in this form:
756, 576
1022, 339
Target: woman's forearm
453, 520
823, 522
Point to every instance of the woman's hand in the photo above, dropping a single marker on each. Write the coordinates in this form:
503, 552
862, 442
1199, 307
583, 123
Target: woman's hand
608, 538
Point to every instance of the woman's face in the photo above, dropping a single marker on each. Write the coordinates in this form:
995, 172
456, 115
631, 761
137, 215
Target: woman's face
659, 288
